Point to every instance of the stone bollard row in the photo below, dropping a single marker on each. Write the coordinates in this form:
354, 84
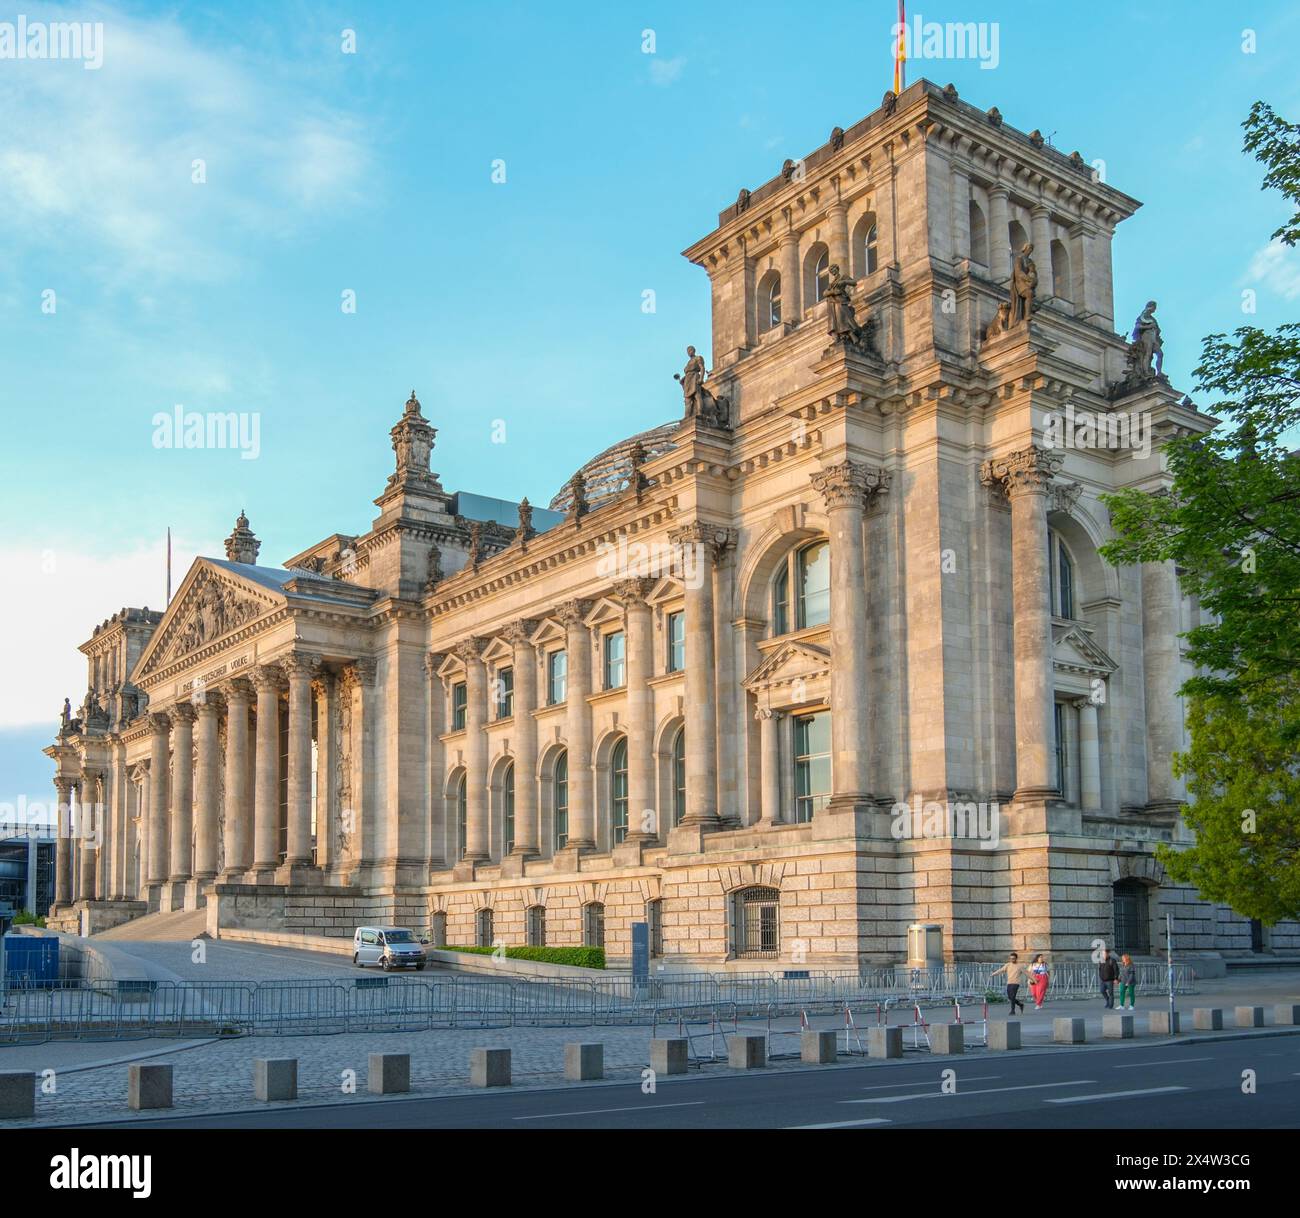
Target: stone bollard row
1003, 1034
1116, 1025
17, 1094
947, 1039
149, 1085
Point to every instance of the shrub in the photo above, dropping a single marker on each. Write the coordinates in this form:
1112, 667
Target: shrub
581, 957
25, 917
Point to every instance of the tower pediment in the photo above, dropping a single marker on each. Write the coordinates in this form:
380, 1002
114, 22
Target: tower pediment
1074, 650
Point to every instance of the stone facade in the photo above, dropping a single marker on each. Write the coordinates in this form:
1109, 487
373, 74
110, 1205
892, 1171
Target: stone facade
833, 655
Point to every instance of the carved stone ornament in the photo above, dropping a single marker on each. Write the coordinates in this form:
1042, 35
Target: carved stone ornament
633, 591
213, 608
572, 613
700, 403
1036, 138
742, 200
412, 437
241, 545
889, 103
715, 538
837, 139
520, 631
1064, 497
841, 318
995, 116
468, 651
1029, 471
849, 483
950, 92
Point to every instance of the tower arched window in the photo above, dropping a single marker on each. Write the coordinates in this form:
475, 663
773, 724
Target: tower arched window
508, 809
618, 792
1061, 568
817, 274
679, 776
1060, 271
865, 257
801, 593
979, 235
769, 302
462, 817
560, 797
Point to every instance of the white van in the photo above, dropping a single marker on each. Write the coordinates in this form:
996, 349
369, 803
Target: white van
387, 946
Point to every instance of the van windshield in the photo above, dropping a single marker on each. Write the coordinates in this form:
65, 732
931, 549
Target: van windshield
399, 936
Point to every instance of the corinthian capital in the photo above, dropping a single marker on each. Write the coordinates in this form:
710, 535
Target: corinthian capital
160, 723
849, 484
1027, 472
268, 677
715, 538
183, 712
469, 650
520, 631
633, 591
297, 665
572, 613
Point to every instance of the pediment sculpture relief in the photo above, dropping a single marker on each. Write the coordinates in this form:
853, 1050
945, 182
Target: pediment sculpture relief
218, 608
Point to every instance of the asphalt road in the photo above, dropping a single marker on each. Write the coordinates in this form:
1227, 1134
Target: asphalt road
1189, 1085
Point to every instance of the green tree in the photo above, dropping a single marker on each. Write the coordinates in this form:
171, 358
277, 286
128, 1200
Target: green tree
1231, 522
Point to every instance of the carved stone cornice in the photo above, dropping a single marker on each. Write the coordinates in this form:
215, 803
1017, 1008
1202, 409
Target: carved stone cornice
634, 591
572, 613
849, 484
519, 632
716, 538
1026, 472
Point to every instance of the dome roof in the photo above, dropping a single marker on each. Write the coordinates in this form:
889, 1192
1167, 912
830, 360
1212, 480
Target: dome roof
611, 472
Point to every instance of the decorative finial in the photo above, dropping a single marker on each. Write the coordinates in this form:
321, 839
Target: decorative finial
241, 545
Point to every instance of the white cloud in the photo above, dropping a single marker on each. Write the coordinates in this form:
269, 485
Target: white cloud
96, 167
1277, 268
55, 599
664, 72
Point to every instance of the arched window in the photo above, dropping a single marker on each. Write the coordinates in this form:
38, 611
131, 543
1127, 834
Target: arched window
865, 257
536, 926
593, 925
1017, 238
1061, 567
483, 929
808, 570
560, 796
979, 235
438, 929
769, 302
679, 776
1060, 271
618, 792
462, 818
817, 274
1132, 918
757, 919
508, 809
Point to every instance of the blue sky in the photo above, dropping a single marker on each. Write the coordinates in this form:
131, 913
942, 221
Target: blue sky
517, 301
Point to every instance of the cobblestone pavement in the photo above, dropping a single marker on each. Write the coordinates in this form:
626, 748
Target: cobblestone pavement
224, 961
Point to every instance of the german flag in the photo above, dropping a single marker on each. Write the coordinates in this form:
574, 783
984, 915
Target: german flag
900, 50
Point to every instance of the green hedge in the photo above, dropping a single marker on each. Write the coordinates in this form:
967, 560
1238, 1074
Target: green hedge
27, 918
581, 957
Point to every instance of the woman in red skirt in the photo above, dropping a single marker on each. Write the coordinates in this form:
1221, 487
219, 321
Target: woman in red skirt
1038, 980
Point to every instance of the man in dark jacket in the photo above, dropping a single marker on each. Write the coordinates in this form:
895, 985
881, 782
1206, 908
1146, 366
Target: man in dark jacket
1107, 974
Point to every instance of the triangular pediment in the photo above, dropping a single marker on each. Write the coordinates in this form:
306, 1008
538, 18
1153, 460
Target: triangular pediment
792, 661
1075, 650
212, 603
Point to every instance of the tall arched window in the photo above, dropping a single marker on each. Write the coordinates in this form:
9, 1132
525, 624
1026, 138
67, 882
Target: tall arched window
679, 776
864, 258
1017, 238
1061, 567
508, 809
618, 792
537, 926
593, 925
483, 928
462, 818
560, 797
438, 929
817, 274
979, 235
808, 571
769, 302
1060, 271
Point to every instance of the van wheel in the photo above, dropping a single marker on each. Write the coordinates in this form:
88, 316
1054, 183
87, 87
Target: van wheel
384, 964
355, 960
419, 968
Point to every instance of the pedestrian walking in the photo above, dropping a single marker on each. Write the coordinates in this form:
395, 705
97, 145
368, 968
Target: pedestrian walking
1107, 974
1015, 973
1038, 981
1128, 980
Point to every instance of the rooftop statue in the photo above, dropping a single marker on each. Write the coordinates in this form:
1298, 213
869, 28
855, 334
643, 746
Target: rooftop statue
700, 403
1024, 285
1147, 349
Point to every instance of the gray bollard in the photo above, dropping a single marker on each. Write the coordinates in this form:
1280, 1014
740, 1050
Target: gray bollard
1117, 1026
1069, 1030
884, 1042
1004, 1034
947, 1039
489, 1067
17, 1094
1286, 1012
1250, 1017
1207, 1019
149, 1085
668, 1054
275, 1078
1164, 1023
389, 1073
817, 1048
745, 1052
583, 1062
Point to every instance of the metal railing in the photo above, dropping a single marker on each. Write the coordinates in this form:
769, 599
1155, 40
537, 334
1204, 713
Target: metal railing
113, 1010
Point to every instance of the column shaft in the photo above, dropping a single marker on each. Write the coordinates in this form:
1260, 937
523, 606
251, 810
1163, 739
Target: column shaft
63, 843
159, 760
298, 850
1040, 223
582, 804
206, 789
791, 288
699, 543
266, 793
1089, 757
182, 818
527, 828
770, 763
477, 840
643, 823
239, 811
999, 238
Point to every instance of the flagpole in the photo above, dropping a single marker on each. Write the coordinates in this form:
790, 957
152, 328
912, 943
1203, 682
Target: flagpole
169, 565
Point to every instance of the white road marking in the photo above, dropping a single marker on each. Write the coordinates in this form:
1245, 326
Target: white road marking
1173, 1061
943, 1095
555, 1116
844, 1124
1113, 1095
929, 1082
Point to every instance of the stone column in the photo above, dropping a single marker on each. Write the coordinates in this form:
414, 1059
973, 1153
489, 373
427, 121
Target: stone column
700, 543
436, 721
266, 792
1041, 228
206, 787
239, 810
582, 804
845, 488
837, 242
640, 711
527, 827
160, 726
63, 842
326, 794
960, 212
791, 287
182, 817
1026, 476
769, 722
999, 240
102, 837
300, 670
88, 816
1089, 756
1161, 673
477, 841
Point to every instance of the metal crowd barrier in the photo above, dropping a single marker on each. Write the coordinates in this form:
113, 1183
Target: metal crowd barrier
122, 1010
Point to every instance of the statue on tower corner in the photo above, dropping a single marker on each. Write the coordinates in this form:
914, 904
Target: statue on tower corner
701, 405
841, 317
1147, 353
1024, 285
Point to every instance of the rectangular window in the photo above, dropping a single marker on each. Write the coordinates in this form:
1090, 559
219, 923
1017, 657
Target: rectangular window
504, 689
557, 671
812, 765
459, 701
615, 660
1059, 730
676, 641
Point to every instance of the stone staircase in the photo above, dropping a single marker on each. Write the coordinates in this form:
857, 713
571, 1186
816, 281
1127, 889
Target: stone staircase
174, 926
